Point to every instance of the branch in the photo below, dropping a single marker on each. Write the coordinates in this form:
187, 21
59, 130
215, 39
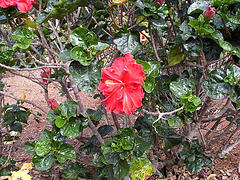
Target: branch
230, 148
23, 100
28, 69
220, 114
153, 44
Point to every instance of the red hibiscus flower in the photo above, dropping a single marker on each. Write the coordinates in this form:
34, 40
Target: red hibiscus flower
209, 12
121, 84
45, 74
23, 5
53, 103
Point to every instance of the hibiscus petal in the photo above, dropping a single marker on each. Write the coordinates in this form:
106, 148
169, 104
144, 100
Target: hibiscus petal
132, 99
133, 73
113, 101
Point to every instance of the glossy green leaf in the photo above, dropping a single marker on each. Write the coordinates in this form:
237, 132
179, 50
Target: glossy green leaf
198, 7
65, 55
43, 163
51, 116
175, 56
86, 78
127, 43
73, 171
60, 121
174, 121
83, 37
233, 75
233, 19
226, 45
215, 90
65, 152
140, 168
105, 130
73, 128
68, 108
78, 53
178, 88
149, 84
43, 147
121, 169
146, 66
17, 127
29, 146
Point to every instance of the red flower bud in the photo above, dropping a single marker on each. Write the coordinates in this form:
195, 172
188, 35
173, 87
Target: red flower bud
53, 103
210, 12
45, 74
160, 1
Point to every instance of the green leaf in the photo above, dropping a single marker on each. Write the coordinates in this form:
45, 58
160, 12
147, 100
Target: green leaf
43, 163
121, 169
127, 43
169, 143
149, 84
175, 56
83, 37
140, 168
73, 128
65, 152
145, 64
65, 55
105, 130
51, 116
29, 146
16, 127
233, 75
68, 108
86, 78
141, 145
226, 45
91, 147
178, 88
111, 158
43, 147
215, 90
198, 7
95, 115
60, 121
83, 56
233, 19
155, 68
74, 170
174, 121
23, 36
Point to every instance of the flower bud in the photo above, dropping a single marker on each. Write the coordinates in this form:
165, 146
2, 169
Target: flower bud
53, 103
45, 74
210, 12
160, 1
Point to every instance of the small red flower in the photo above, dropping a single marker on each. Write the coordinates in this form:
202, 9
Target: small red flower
53, 103
209, 12
45, 74
160, 1
121, 84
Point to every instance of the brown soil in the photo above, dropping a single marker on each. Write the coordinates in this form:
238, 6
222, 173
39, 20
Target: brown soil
226, 168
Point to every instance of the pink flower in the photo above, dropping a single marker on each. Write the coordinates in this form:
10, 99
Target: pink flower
23, 5
209, 12
53, 103
45, 74
160, 1
121, 85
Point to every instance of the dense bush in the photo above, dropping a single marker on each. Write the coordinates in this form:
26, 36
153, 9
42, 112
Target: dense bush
158, 67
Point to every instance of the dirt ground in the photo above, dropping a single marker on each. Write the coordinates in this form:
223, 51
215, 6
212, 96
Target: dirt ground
226, 168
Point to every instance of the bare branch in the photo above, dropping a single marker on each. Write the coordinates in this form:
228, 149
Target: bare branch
23, 100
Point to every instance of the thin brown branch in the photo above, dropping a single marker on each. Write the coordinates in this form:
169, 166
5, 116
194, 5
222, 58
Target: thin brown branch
23, 100
153, 44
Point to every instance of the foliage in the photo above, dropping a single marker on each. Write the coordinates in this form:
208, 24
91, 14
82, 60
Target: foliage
189, 52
